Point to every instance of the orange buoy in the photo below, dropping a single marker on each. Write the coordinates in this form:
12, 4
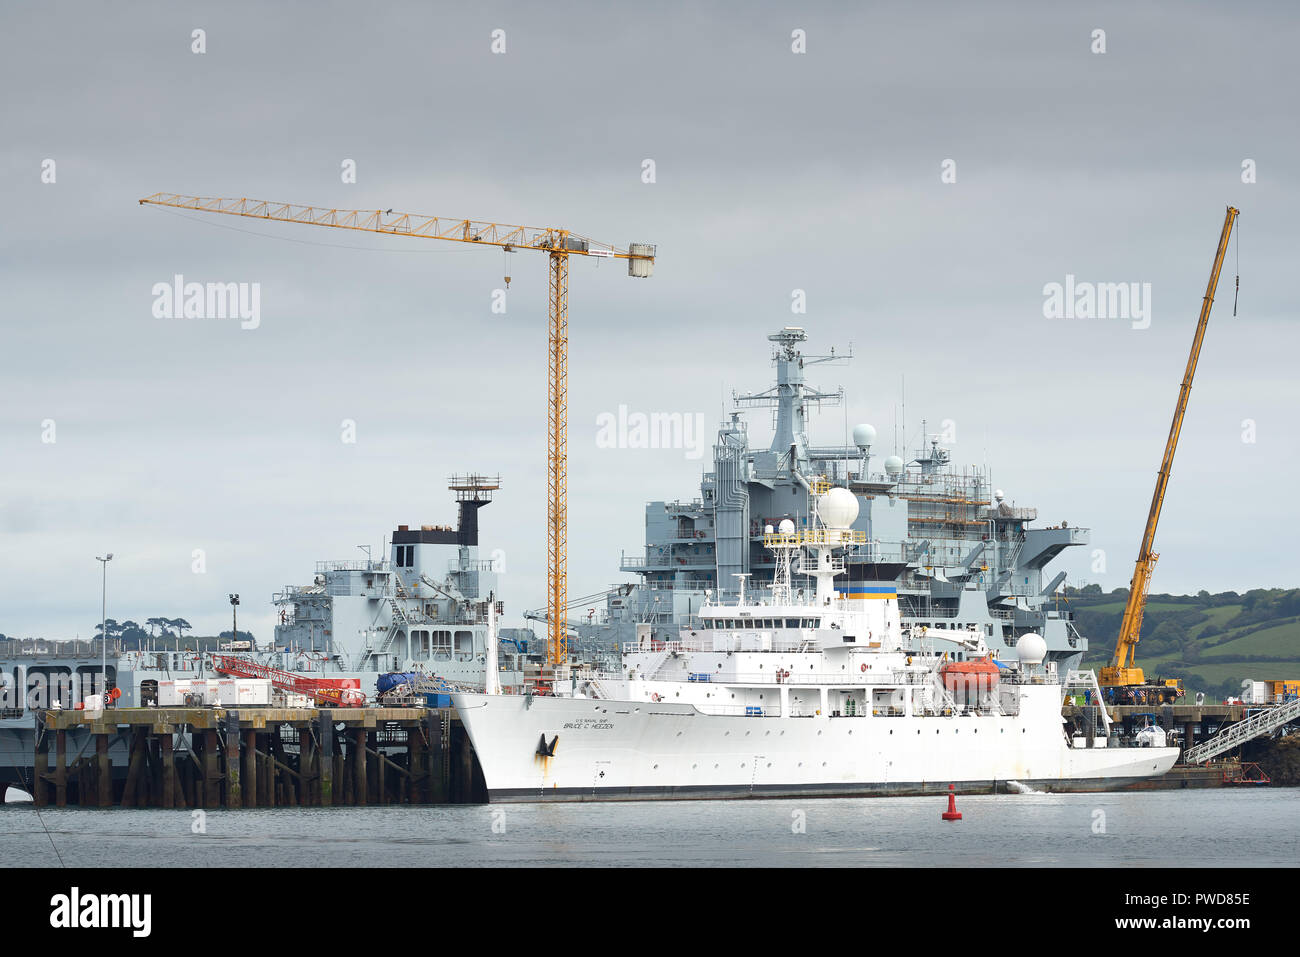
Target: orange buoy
952, 814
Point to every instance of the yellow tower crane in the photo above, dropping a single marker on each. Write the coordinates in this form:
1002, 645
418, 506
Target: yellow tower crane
1123, 671
559, 244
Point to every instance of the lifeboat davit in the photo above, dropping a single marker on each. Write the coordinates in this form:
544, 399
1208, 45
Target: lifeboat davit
978, 676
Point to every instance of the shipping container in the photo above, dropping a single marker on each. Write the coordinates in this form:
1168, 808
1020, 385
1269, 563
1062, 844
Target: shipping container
254, 691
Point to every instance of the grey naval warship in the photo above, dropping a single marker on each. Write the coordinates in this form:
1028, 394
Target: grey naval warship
961, 557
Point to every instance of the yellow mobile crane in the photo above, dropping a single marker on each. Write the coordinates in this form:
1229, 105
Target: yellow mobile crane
1122, 677
559, 244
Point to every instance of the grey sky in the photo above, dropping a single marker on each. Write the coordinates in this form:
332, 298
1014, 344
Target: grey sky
775, 171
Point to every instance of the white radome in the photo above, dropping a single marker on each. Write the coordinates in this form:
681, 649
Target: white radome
1031, 649
893, 465
864, 436
787, 526
837, 508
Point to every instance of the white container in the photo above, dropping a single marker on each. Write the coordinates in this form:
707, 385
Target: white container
167, 693
227, 692
253, 691
210, 688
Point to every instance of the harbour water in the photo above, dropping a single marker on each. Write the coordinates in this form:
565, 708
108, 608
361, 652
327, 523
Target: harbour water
1195, 828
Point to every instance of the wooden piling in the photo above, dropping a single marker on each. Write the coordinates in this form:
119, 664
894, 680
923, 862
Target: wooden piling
250, 784
60, 768
361, 782
40, 762
211, 776
168, 768
325, 757
104, 769
234, 793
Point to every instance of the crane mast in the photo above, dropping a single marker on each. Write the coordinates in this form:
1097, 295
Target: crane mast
1123, 670
559, 244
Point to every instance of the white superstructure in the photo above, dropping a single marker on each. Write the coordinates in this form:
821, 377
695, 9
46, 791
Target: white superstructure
799, 691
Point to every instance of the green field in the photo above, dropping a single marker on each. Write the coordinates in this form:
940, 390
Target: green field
1218, 617
1280, 640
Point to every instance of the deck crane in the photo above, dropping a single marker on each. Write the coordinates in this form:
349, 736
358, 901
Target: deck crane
1123, 673
559, 245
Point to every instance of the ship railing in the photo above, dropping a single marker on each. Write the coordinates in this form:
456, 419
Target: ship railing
643, 561
59, 648
804, 679
359, 565
472, 565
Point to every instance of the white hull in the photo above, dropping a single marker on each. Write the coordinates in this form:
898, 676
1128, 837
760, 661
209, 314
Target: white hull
611, 750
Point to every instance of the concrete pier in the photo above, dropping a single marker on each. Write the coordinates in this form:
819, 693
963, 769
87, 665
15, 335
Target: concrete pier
254, 757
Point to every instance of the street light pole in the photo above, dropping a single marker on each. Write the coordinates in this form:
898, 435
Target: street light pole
103, 626
234, 621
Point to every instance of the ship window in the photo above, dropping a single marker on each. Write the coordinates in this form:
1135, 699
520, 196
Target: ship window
792, 622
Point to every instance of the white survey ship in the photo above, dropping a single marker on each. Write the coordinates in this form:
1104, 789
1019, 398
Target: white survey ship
801, 691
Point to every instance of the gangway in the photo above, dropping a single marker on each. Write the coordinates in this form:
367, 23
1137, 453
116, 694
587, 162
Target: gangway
1243, 731
315, 688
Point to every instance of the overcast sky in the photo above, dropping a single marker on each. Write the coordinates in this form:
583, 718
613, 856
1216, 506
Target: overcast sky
773, 171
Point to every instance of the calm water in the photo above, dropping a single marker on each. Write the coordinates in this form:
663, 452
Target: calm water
1161, 828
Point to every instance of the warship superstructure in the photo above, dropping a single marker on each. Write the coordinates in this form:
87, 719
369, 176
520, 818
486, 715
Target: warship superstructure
959, 554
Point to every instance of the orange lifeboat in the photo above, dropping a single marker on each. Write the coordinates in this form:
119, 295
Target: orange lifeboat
975, 677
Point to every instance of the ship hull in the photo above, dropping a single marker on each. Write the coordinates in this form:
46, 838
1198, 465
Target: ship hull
620, 751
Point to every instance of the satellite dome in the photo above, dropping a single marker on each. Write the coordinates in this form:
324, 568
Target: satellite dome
864, 436
768, 530
837, 508
894, 465
1031, 649
999, 494
787, 526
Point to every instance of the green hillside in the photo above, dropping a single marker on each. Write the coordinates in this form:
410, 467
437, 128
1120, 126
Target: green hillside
1212, 642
